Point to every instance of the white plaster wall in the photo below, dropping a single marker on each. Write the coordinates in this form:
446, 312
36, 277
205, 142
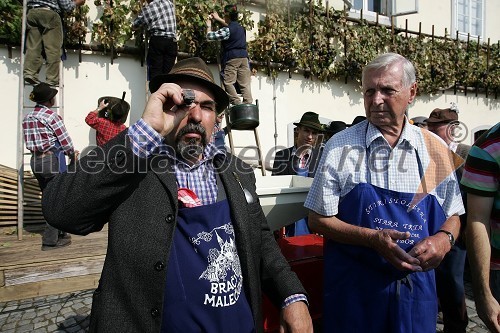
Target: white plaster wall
282, 101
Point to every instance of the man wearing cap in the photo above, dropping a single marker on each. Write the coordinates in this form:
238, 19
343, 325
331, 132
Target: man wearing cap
450, 273
46, 137
300, 159
108, 119
189, 248
386, 200
44, 32
234, 60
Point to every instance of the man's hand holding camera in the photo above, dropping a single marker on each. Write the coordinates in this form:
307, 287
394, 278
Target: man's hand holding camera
167, 107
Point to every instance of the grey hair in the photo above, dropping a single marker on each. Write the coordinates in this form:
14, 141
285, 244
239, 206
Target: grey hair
389, 59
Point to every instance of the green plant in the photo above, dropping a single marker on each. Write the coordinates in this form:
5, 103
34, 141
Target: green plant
306, 36
11, 12
276, 38
114, 27
75, 25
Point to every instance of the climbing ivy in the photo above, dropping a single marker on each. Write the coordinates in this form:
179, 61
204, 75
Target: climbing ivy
321, 43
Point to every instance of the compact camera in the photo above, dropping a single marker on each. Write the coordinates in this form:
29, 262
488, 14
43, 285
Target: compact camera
188, 95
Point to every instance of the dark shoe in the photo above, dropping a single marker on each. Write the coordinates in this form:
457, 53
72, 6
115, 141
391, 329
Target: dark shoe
32, 81
60, 243
64, 235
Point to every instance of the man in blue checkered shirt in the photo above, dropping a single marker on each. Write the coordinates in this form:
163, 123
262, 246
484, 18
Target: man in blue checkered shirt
159, 18
387, 201
189, 247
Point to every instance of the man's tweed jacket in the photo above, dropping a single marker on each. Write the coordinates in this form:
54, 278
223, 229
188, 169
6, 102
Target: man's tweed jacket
138, 199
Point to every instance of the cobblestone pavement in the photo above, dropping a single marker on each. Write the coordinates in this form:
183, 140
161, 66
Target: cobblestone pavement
69, 313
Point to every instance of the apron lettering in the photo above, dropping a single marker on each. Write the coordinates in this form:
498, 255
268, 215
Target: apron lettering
389, 223
413, 227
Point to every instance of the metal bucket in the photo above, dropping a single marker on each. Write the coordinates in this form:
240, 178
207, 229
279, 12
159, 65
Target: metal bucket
244, 116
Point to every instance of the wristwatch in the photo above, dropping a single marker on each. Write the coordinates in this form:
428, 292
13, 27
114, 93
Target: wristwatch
450, 236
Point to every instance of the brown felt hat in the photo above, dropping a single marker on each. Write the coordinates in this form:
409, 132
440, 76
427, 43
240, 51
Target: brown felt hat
442, 116
311, 120
193, 70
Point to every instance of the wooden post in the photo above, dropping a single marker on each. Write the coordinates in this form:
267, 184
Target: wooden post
456, 65
477, 55
111, 31
406, 28
487, 65
433, 73
345, 50
468, 56
288, 10
80, 37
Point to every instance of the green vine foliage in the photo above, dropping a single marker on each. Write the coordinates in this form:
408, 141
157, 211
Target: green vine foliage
114, 28
75, 25
492, 76
276, 41
11, 13
292, 36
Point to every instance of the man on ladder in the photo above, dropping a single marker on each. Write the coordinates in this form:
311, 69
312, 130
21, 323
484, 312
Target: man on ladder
234, 54
44, 33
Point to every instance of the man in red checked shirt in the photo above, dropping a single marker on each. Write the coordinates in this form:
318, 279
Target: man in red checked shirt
108, 118
47, 139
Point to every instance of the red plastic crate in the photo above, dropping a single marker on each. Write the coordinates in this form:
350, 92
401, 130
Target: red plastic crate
305, 255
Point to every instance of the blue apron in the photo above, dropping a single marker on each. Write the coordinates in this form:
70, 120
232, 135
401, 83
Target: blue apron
206, 295
61, 157
300, 227
365, 293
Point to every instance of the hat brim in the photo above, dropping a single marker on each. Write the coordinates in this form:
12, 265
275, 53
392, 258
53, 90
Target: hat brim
311, 126
221, 98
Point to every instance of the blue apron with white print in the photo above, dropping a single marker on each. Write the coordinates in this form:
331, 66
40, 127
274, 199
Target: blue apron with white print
204, 286
365, 293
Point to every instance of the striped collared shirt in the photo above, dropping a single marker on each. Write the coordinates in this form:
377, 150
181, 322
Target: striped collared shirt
159, 16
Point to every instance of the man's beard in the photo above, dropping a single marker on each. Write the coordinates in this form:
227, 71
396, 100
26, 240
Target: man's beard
192, 148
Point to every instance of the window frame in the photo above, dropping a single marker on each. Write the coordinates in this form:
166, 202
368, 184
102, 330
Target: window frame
464, 34
372, 16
